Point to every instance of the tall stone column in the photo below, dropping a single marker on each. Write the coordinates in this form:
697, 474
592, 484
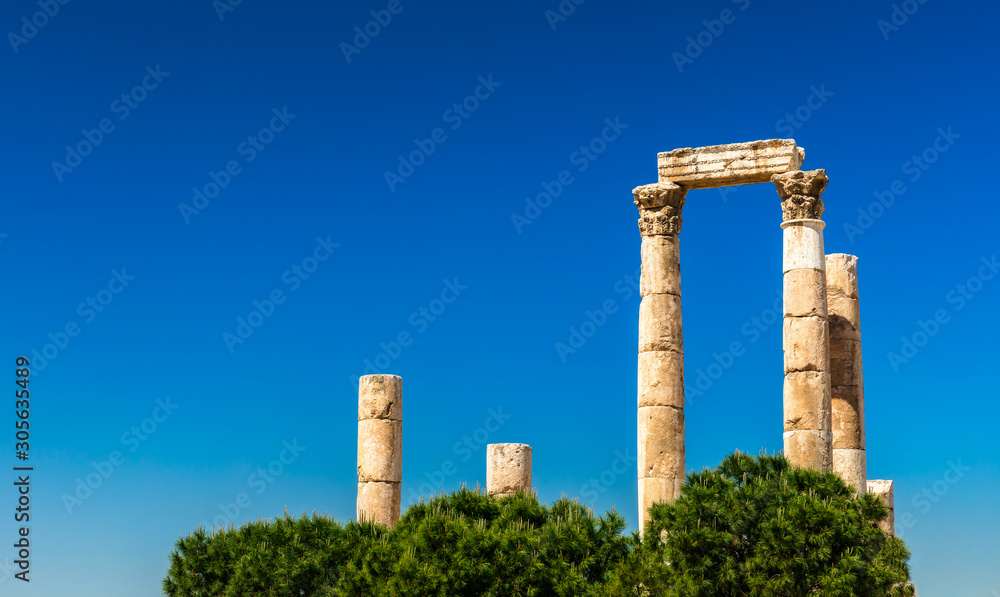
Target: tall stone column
380, 448
508, 469
661, 348
806, 334
848, 391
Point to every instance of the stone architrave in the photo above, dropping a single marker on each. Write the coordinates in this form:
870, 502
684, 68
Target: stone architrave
380, 448
731, 164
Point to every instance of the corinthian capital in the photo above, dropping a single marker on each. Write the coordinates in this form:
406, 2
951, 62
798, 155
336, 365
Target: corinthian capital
660, 207
800, 193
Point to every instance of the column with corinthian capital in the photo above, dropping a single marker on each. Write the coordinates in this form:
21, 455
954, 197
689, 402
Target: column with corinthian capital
806, 334
661, 348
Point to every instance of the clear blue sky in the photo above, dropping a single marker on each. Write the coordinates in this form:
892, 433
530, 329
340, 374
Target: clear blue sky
864, 100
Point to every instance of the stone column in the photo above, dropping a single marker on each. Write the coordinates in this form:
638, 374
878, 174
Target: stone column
508, 469
848, 391
806, 334
883, 489
661, 348
380, 448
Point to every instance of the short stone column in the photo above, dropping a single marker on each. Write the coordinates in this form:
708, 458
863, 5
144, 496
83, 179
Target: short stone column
508, 469
380, 448
883, 489
806, 335
848, 392
661, 348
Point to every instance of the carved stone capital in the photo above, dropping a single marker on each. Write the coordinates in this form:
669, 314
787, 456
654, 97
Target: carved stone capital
660, 206
800, 193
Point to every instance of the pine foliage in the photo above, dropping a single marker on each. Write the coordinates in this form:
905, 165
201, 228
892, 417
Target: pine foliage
753, 527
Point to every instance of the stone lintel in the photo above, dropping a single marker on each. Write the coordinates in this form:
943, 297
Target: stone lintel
731, 164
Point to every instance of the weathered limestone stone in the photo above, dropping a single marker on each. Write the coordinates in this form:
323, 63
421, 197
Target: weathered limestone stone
848, 418
661, 379
654, 490
660, 323
805, 293
809, 449
805, 329
661, 266
800, 193
845, 362
883, 489
380, 448
379, 502
660, 206
661, 346
807, 401
852, 467
661, 442
380, 397
842, 275
508, 469
806, 344
845, 318
848, 404
803, 245
731, 164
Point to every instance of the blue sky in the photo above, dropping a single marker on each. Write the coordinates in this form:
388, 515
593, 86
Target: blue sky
258, 171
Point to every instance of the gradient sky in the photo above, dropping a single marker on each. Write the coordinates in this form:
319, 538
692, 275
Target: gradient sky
905, 108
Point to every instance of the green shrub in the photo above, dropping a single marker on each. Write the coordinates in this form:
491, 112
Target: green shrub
758, 527
752, 527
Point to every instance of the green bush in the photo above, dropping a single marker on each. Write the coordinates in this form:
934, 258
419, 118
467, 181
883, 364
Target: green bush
758, 527
752, 527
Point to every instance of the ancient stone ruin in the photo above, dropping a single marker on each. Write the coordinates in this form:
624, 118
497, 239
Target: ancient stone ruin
823, 389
